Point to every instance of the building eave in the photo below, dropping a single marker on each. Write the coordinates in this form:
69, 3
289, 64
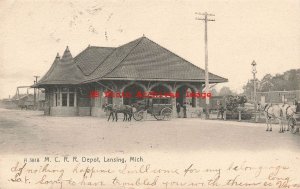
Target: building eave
157, 79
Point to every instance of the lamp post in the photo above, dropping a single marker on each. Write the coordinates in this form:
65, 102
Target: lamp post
254, 88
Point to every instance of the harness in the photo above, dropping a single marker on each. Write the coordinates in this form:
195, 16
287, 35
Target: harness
286, 112
269, 116
266, 108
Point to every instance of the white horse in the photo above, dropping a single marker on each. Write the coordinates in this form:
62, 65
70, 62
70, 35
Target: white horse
272, 112
288, 111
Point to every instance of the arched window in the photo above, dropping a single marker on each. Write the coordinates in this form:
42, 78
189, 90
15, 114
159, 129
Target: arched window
162, 95
133, 90
184, 98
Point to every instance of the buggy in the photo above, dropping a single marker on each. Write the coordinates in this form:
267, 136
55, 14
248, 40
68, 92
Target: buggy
157, 107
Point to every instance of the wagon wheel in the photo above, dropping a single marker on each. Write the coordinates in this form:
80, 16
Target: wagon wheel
167, 113
138, 116
158, 116
292, 125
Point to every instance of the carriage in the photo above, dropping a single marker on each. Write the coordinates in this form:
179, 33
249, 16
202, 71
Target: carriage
159, 108
294, 122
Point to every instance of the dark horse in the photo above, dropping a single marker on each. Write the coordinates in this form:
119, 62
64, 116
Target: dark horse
115, 109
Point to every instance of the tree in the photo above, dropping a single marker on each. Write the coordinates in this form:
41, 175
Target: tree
266, 83
279, 83
226, 91
292, 79
249, 88
289, 80
234, 101
214, 92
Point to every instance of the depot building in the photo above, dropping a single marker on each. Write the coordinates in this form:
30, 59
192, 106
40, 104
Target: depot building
138, 66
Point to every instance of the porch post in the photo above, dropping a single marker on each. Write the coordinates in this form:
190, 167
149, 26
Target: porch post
75, 99
68, 98
60, 98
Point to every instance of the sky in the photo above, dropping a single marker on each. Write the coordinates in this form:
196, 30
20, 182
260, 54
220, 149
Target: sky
268, 31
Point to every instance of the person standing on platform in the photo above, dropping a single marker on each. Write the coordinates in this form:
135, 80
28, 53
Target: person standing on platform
184, 110
178, 107
222, 109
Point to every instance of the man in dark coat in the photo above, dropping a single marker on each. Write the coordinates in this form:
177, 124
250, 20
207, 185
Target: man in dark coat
222, 109
178, 107
184, 110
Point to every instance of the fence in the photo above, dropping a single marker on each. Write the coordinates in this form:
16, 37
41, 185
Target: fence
278, 96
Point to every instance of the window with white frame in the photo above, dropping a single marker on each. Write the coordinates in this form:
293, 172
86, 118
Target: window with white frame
64, 96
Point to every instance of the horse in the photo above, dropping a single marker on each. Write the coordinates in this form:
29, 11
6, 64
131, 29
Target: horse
109, 108
23, 107
272, 112
115, 109
288, 111
127, 110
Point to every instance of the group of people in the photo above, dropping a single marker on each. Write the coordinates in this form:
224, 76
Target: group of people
221, 110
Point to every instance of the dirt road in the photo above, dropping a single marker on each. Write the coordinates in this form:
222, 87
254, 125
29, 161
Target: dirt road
24, 132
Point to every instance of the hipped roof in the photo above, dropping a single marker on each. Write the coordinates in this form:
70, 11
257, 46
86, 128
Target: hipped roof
141, 59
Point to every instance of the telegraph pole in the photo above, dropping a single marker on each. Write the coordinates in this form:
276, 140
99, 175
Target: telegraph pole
206, 19
34, 91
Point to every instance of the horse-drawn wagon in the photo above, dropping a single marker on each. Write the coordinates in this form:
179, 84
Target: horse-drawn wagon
157, 107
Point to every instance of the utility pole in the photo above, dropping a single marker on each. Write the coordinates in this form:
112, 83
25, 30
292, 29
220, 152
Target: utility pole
206, 19
34, 91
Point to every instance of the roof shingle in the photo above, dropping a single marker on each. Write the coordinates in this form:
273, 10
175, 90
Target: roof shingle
141, 59
148, 60
62, 71
89, 59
